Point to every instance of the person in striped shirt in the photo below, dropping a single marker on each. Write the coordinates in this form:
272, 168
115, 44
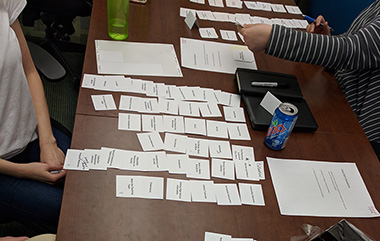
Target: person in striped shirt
354, 55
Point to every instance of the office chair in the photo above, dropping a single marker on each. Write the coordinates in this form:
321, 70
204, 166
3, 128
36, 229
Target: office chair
58, 16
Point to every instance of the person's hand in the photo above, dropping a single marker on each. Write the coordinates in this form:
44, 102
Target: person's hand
53, 156
40, 172
316, 27
256, 36
8, 238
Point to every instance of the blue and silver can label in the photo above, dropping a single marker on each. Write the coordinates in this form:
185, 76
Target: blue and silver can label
281, 126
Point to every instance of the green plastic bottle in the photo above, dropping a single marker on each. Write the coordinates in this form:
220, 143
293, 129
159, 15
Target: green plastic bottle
118, 19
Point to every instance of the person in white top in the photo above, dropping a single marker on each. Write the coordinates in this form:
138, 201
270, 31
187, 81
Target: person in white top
31, 151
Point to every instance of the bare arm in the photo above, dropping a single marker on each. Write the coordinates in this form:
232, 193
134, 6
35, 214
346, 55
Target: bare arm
50, 153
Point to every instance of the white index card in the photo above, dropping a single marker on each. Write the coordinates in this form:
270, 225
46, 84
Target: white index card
139, 187
129, 122
243, 153
150, 141
110, 83
260, 169
89, 80
265, 6
130, 103
103, 102
198, 1
234, 3
93, 159
228, 35
220, 149
177, 163
191, 93
208, 33
202, 191
203, 14
234, 114
209, 109
183, 12
251, 194
198, 168
242, 18
270, 102
238, 131
153, 187
209, 95
149, 105
191, 19
293, 9
168, 106
243, 239
229, 99
224, 169
216, 3
220, 17
300, 23
278, 8
246, 170
243, 55
127, 160
74, 160
197, 147
189, 108
128, 186
178, 190
216, 237
195, 126
152, 89
107, 156
217, 129
253, 5
174, 124
152, 123
227, 194
176, 143
155, 161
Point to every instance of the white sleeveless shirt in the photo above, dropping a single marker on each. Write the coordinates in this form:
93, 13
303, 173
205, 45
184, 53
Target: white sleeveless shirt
18, 123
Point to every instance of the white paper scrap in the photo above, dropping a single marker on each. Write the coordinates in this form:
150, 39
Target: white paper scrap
270, 102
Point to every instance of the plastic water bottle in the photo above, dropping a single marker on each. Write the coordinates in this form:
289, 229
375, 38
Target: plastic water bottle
118, 19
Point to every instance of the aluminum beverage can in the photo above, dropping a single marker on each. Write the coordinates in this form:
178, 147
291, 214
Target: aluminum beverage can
281, 126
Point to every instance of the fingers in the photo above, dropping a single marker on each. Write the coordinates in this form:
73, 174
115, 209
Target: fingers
310, 28
320, 19
57, 176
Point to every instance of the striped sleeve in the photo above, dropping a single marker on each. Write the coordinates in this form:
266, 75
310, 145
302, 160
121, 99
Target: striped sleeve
360, 50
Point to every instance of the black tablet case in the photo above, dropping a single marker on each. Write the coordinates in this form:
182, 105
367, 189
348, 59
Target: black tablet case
252, 96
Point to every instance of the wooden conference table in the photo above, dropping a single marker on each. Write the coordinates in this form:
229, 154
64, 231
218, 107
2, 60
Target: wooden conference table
90, 209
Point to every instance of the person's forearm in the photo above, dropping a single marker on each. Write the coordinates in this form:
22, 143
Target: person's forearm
36, 89
10, 168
